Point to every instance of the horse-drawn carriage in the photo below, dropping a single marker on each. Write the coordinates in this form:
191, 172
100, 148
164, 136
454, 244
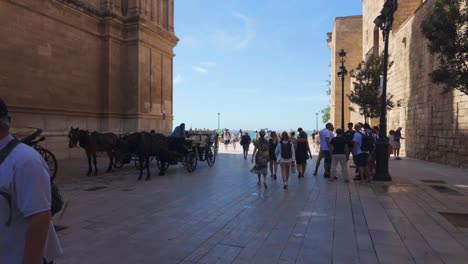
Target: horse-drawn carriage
190, 150
143, 147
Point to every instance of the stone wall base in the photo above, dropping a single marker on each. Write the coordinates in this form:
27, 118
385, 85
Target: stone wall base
56, 127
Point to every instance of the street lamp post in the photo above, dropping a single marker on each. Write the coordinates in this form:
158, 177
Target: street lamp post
219, 117
342, 73
316, 121
384, 22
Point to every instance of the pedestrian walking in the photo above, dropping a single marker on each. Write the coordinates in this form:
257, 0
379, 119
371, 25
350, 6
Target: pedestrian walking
227, 139
397, 143
391, 142
319, 150
325, 137
338, 150
292, 137
299, 130
302, 153
27, 234
245, 143
286, 156
261, 154
235, 139
273, 141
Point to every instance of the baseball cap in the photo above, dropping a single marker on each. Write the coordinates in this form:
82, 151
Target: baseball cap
3, 109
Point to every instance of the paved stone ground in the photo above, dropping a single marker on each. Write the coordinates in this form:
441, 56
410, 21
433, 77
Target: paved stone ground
220, 215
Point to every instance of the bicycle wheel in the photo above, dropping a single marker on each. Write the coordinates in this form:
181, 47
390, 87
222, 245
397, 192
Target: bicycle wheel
210, 157
50, 160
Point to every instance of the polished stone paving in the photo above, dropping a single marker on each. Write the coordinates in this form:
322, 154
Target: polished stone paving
220, 215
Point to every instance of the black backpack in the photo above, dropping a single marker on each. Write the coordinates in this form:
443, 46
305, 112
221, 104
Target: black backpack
286, 150
367, 142
56, 202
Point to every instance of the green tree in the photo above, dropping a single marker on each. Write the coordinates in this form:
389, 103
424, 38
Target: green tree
366, 93
325, 114
446, 29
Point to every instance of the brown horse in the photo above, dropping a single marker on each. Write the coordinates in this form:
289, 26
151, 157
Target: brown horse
144, 145
93, 142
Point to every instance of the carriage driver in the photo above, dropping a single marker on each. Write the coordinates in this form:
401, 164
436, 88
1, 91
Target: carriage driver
179, 131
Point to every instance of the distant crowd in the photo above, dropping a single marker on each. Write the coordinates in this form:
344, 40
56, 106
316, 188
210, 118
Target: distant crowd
290, 151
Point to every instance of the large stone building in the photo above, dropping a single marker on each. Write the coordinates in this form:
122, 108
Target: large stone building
347, 36
102, 65
435, 125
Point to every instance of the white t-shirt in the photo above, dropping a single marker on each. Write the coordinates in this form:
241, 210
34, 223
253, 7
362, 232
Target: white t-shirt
324, 134
24, 175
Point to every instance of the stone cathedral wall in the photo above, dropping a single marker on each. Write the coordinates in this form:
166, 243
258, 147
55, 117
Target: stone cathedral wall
435, 125
102, 65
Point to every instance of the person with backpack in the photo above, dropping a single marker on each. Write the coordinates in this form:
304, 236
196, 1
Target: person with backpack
27, 234
302, 153
363, 144
286, 157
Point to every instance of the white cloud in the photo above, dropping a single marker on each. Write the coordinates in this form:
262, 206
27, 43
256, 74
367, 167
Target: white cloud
236, 39
249, 33
178, 79
200, 69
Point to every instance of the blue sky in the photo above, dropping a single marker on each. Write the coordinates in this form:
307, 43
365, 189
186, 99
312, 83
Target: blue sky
260, 63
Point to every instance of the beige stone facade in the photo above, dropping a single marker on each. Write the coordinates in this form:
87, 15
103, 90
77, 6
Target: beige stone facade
103, 65
435, 125
347, 35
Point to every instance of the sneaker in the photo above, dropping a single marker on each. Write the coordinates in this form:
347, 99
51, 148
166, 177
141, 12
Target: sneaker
259, 183
326, 175
285, 187
315, 173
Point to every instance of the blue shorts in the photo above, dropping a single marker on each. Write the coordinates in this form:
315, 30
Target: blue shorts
362, 159
326, 155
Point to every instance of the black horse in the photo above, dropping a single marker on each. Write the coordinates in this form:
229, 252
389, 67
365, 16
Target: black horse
93, 142
144, 145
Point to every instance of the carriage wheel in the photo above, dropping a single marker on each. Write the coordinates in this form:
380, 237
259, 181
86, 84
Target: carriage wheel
162, 165
210, 157
191, 161
136, 162
50, 160
117, 163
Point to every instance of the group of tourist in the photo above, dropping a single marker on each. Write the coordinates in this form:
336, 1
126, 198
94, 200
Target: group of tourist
285, 151
334, 147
